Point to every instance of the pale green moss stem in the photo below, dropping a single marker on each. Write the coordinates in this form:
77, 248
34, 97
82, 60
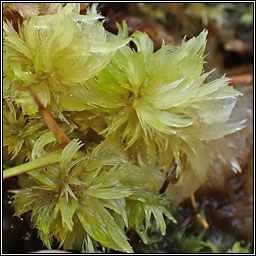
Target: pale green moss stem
44, 161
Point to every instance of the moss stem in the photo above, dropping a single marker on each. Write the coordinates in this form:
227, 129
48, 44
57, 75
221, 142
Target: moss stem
49, 159
44, 161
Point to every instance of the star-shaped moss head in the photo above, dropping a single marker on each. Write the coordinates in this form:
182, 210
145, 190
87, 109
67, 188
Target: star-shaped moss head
163, 98
55, 54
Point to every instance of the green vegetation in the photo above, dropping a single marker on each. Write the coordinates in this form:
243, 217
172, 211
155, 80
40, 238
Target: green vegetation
130, 113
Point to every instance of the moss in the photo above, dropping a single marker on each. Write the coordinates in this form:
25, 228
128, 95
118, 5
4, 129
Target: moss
146, 110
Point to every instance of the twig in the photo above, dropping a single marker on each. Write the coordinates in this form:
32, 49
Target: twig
198, 215
242, 79
170, 177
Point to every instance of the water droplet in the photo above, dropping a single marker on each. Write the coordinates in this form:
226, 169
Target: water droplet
27, 236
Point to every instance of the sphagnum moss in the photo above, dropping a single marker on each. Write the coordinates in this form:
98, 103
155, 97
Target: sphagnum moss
162, 108
136, 111
54, 54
